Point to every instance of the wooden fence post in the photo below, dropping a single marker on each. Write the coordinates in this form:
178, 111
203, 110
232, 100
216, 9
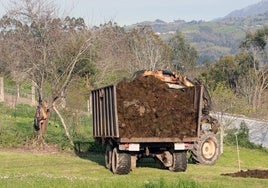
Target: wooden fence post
2, 95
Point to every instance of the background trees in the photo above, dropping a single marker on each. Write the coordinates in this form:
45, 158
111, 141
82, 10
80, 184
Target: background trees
148, 50
45, 49
56, 54
65, 59
224, 71
255, 46
112, 54
246, 73
184, 56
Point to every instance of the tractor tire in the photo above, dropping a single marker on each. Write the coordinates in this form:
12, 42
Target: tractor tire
121, 162
205, 150
179, 162
108, 156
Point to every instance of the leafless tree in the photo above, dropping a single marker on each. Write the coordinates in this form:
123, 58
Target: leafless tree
112, 54
255, 46
225, 101
148, 49
45, 49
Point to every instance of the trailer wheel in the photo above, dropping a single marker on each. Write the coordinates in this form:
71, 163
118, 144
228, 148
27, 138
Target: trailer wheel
121, 162
179, 162
108, 157
205, 151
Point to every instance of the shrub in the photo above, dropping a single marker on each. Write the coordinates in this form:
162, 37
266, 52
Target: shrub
242, 137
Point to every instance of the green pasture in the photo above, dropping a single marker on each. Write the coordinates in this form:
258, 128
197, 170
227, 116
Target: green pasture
20, 168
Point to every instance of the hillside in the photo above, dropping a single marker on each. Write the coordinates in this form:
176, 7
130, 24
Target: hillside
218, 37
252, 10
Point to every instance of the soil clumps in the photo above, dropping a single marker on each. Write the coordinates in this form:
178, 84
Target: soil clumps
263, 174
147, 107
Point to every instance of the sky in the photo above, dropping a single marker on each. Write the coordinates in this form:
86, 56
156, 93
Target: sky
127, 12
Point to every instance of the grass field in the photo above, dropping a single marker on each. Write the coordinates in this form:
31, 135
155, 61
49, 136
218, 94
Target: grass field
19, 168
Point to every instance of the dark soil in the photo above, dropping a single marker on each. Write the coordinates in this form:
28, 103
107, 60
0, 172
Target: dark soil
147, 107
263, 174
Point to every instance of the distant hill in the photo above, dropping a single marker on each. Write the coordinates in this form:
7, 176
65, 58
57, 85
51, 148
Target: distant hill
252, 10
215, 38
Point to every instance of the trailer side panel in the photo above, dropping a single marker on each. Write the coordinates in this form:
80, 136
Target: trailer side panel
104, 112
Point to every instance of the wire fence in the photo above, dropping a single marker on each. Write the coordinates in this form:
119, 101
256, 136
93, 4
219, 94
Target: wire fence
14, 96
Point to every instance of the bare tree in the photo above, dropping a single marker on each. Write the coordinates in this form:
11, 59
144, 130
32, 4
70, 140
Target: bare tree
112, 54
63, 80
120, 53
224, 102
255, 46
148, 50
46, 50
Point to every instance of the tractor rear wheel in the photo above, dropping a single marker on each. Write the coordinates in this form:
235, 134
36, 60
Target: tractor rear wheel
108, 156
179, 162
205, 150
121, 162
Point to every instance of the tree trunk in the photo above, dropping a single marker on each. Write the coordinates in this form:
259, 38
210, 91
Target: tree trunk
64, 125
33, 94
255, 99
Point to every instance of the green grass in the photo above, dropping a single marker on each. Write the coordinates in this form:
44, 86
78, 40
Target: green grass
19, 169
16, 128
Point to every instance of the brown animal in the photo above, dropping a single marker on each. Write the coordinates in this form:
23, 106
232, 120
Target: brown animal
41, 117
